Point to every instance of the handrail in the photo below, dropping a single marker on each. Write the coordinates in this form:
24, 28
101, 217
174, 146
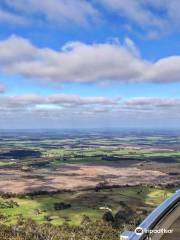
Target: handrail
153, 218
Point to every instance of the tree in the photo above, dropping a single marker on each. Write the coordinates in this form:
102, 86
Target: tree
108, 217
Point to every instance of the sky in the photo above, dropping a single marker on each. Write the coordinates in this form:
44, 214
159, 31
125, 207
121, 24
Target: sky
89, 64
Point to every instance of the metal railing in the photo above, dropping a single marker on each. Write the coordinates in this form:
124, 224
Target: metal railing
153, 218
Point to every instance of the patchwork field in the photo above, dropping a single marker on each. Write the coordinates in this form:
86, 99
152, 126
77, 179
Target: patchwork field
64, 178
76, 177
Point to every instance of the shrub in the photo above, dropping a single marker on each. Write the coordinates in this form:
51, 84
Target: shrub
30, 230
61, 206
108, 217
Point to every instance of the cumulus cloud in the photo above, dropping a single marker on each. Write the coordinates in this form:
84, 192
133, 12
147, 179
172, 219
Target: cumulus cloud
165, 70
85, 63
76, 62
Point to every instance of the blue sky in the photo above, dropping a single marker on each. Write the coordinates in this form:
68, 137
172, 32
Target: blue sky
106, 63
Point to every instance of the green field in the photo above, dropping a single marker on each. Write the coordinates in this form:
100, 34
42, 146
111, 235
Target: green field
83, 203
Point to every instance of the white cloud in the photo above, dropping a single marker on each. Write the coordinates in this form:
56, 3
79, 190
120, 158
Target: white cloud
164, 103
97, 103
64, 100
165, 70
11, 18
76, 62
2, 88
55, 11
56, 111
83, 63
153, 16
134, 10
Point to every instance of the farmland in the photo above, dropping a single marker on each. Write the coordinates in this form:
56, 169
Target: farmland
82, 203
61, 177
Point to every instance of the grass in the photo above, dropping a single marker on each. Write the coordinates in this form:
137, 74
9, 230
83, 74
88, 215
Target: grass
122, 152
28, 208
162, 154
84, 203
6, 163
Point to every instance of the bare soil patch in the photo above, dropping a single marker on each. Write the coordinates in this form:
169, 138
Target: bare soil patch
83, 176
